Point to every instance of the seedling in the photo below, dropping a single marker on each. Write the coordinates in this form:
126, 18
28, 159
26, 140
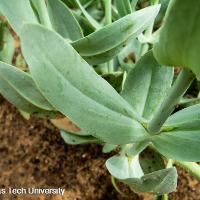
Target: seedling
65, 48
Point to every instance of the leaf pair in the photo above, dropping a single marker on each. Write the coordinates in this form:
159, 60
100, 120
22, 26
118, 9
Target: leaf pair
181, 135
93, 47
128, 170
101, 111
19, 88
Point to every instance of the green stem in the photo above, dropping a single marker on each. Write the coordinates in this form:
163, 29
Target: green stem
191, 167
108, 20
180, 86
148, 33
161, 197
41, 8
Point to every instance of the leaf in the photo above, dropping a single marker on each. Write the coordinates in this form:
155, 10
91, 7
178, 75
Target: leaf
73, 139
63, 20
18, 12
173, 145
75, 89
159, 182
151, 161
123, 7
116, 33
188, 118
147, 85
181, 130
123, 167
179, 41
18, 87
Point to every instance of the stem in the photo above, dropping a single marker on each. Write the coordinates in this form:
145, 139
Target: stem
42, 12
148, 33
108, 20
161, 197
191, 167
180, 86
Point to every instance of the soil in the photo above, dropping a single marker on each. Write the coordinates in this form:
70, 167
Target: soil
34, 155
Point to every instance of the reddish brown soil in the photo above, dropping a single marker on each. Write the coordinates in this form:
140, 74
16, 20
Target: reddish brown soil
32, 154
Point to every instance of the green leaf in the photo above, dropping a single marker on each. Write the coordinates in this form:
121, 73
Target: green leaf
181, 130
151, 161
75, 89
116, 33
147, 85
73, 139
18, 12
179, 41
188, 118
159, 182
18, 88
63, 20
123, 167
123, 7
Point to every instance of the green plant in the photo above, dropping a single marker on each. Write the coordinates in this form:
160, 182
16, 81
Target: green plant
65, 49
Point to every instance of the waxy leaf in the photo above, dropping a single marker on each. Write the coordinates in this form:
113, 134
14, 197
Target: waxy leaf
63, 20
179, 41
18, 12
182, 145
158, 182
181, 135
116, 33
73, 139
75, 89
123, 167
147, 85
123, 7
18, 87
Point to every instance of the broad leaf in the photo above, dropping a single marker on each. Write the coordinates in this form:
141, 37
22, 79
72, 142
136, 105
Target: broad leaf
18, 12
159, 182
123, 167
73, 139
123, 7
75, 89
179, 41
63, 20
147, 85
18, 87
116, 33
180, 145
181, 130
186, 119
